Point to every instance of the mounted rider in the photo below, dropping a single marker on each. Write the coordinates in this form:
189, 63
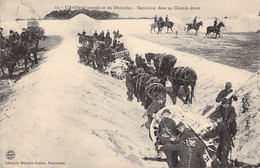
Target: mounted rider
2, 39
95, 35
24, 36
102, 36
12, 39
215, 23
155, 20
194, 22
166, 20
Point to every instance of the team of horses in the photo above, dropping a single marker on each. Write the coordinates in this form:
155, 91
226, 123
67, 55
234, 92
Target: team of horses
189, 26
150, 80
13, 55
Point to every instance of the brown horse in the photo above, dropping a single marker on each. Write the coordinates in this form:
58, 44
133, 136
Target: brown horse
163, 64
196, 27
216, 29
169, 25
183, 76
8, 60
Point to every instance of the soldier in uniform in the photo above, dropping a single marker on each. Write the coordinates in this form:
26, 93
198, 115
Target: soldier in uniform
99, 52
225, 141
194, 22
167, 131
130, 84
155, 19
166, 20
229, 115
215, 23
108, 33
2, 39
95, 35
24, 36
11, 38
226, 92
102, 36
189, 152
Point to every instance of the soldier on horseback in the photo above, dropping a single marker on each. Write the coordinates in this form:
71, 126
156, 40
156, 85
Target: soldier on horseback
215, 23
12, 38
24, 36
194, 22
2, 39
166, 20
155, 19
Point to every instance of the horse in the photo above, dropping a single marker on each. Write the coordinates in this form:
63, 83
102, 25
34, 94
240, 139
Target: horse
141, 80
153, 26
32, 46
183, 76
86, 56
157, 59
196, 27
9, 60
167, 63
169, 25
21, 52
163, 64
215, 29
160, 26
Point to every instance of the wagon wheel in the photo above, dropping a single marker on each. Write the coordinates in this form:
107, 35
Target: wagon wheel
118, 69
154, 127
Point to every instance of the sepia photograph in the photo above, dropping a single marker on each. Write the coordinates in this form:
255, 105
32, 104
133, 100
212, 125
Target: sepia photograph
129, 84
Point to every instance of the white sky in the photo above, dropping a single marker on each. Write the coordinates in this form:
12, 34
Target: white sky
10, 9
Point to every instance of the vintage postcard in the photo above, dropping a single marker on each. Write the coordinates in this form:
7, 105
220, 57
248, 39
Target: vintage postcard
129, 83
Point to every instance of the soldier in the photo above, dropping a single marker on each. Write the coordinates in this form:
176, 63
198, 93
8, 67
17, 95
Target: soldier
2, 39
108, 33
166, 20
11, 38
101, 36
108, 39
229, 116
99, 57
155, 19
215, 23
184, 133
225, 141
226, 92
95, 35
189, 152
130, 84
167, 131
24, 36
194, 22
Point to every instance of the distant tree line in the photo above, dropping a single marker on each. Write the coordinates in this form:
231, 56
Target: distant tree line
68, 13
